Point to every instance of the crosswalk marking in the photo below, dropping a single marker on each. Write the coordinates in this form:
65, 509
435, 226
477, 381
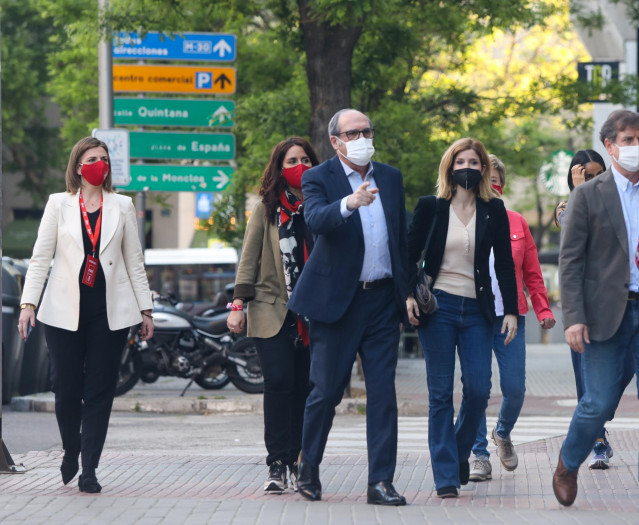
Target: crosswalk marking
413, 432
350, 438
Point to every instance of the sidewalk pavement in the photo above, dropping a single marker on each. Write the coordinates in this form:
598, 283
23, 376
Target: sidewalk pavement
147, 486
144, 488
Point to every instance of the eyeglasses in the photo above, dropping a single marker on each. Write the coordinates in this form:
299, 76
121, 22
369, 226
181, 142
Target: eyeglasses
354, 134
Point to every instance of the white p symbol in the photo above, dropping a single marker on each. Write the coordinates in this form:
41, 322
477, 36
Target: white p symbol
203, 80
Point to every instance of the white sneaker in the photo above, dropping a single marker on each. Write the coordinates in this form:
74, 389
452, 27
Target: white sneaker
276, 481
482, 470
505, 451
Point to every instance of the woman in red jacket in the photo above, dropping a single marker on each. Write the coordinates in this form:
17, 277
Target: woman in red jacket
511, 360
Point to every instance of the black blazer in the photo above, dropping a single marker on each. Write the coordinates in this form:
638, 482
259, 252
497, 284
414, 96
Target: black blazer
492, 231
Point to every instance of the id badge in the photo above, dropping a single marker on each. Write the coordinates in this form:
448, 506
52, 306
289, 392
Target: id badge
90, 271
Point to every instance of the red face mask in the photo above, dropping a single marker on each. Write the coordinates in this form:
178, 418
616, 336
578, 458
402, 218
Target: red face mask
293, 175
95, 173
498, 188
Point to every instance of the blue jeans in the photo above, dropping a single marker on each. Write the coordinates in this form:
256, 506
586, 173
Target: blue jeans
511, 360
458, 323
602, 369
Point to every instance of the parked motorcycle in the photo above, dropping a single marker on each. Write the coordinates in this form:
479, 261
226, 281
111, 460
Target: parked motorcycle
197, 348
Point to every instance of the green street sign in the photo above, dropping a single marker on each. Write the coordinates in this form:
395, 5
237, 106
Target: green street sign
167, 177
177, 145
173, 112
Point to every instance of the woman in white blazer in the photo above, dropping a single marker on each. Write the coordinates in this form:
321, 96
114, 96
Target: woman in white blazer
96, 290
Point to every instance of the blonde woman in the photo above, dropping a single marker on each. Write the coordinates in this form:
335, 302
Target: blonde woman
468, 222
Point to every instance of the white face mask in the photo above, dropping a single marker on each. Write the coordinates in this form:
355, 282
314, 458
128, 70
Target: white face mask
628, 158
359, 151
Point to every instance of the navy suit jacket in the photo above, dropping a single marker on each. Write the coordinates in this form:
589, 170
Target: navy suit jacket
327, 285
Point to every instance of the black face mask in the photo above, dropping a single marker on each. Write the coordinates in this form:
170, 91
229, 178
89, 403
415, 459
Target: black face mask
467, 178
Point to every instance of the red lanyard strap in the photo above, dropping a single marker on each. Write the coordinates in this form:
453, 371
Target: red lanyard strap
92, 237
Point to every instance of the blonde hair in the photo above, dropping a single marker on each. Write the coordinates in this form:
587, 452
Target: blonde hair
73, 180
446, 187
498, 166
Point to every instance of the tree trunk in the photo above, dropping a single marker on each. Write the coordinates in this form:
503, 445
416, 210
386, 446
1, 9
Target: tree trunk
329, 52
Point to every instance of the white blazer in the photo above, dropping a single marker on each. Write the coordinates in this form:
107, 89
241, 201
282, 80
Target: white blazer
60, 236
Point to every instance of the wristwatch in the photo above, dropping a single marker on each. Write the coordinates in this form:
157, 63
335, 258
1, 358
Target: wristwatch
27, 305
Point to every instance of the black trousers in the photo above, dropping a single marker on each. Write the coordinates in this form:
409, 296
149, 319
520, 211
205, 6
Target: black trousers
285, 368
84, 372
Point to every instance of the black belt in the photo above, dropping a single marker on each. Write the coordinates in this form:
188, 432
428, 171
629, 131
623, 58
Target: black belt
372, 285
633, 296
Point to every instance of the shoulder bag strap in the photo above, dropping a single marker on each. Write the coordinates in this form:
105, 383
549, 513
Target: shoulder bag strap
420, 264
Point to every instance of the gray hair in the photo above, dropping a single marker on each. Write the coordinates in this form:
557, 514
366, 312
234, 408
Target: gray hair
333, 125
618, 121
499, 167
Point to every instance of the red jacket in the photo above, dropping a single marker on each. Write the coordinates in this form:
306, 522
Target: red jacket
527, 269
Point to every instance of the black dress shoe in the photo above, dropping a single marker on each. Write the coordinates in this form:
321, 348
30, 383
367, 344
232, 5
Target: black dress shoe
308, 482
89, 483
69, 467
464, 472
447, 492
383, 493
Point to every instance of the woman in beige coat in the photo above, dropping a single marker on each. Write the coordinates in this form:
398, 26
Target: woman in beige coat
96, 290
276, 245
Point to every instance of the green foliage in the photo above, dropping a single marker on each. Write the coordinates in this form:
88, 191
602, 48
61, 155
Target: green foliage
426, 72
29, 141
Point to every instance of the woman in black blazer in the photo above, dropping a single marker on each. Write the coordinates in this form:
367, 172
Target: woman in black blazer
467, 222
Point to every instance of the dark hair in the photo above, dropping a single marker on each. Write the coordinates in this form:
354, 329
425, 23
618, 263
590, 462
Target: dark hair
74, 183
273, 183
583, 157
618, 121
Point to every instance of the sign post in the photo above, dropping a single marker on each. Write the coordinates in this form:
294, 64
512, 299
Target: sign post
175, 177
184, 112
200, 80
214, 47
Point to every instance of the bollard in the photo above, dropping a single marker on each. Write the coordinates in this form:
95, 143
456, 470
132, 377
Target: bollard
7, 465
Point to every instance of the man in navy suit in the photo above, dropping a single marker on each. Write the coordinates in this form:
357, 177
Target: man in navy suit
353, 290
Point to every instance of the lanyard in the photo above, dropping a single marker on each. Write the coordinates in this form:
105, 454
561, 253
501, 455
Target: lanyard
92, 237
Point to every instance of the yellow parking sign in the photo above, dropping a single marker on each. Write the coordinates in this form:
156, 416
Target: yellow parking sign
174, 79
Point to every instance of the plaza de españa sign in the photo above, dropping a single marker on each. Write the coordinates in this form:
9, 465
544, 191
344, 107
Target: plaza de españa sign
168, 177
177, 145
173, 112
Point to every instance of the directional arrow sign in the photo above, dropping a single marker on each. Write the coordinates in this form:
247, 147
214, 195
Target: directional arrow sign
176, 145
163, 177
202, 80
214, 47
173, 112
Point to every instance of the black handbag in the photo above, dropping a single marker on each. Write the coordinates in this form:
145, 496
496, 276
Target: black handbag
426, 301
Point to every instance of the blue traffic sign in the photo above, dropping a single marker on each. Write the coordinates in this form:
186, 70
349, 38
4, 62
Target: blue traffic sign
203, 205
212, 47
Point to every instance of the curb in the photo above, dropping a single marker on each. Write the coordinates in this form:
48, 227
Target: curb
252, 404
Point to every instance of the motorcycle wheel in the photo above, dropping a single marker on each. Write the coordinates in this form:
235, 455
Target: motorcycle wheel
213, 378
247, 379
127, 376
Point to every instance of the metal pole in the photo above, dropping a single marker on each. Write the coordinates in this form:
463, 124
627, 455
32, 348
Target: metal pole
140, 206
105, 75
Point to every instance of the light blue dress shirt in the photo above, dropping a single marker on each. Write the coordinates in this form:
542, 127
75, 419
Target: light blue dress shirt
629, 196
377, 261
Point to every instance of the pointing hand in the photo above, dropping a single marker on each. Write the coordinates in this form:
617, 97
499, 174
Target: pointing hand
362, 197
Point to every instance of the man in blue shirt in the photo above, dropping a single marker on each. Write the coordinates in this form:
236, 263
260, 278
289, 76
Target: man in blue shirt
353, 290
